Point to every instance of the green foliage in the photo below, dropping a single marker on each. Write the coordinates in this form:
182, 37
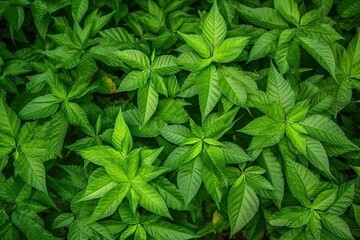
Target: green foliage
173, 119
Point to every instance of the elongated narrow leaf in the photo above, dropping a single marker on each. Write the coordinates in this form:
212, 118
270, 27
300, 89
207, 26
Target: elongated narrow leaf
324, 129
121, 137
109, 203
321, 51
197, 43
147, 102
344, 198
133, 80
40, 107
32, 170
230, 49
279, 90
134, 58
264, 45
231, 87
189, 179
263, 126
78, 9
214, 28
10, 123
176, 134
166, 230
207, 84
150, 199
289, 10
293, 217
337, 226
63, 220
99, 184
165, 65
242, 203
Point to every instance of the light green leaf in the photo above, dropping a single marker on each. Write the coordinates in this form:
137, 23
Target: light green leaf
292, 217
189, 179
133, 80
10, 123
147, 102
271, 164
121, 137
165, 65
207, 84
78, 9
214, 28
150, 199
109, 203
134, 58
324, 200
63, 220
264, 45
263, 17
265, 141
234, 154
165, 230
229, 49
197, 43
176, 133
192, 62
231, 87
337, 226
40, 107
279, 90
321, 51
263, 126
77, 116
314, 227
344, 198
324, 129
289, 10
99, 184
109, 158
32, 170
242, 203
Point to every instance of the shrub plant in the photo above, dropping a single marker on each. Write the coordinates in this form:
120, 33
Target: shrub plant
179, 119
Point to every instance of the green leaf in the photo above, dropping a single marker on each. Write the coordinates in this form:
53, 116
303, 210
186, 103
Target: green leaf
271, 164
176, 134
165, 230
109, 203
231, 87
197, 43
311, 148
121, 137
289, 10
32, 170
147, 102
279, 90
63, 220
264, 45
150, 199
324, 200
189, 179
242, 203
263, 126
336, 225
314, 227
321, 51
10, 123
207, 84
214, 28
165, 65
344, 198
229, 49
28, 222
133, 80
40, 107
292, 217
234, 154
324, 129
263, 17
192, 62
99, 184
78, 9
77, 116
348, 8
134, 58
109, 158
